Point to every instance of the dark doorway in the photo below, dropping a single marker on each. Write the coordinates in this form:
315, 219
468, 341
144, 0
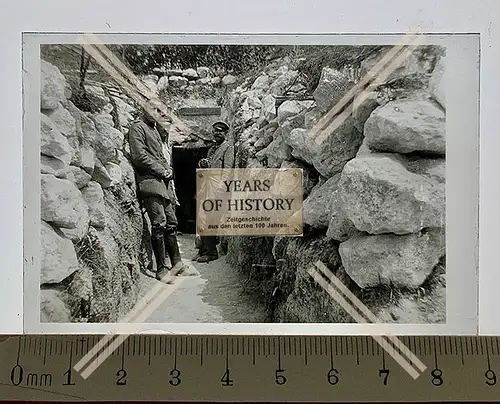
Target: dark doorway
185, 163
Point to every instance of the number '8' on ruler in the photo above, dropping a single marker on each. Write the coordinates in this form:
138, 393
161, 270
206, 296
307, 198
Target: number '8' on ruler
232, 368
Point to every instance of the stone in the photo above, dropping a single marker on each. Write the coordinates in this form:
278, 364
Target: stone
437, 83
125, 110
80, 177
162, 83
363, 109
52, 308
268, 107
151, 81
330, 154
388, 259
251, 108
417, 64
284, 81
54, 166
263, 142
379, 195
203, 72
228, 80
101, 175
312, 117
94, 197
128, 173
190, 74
406, 126
340, 227
291, 108
177, 81
63, 120
261, 82
108, 139
86, 159
52, 142
97, 96
309, 175
275, 153
316, 207
114, 172
81, 285
52, 86
205, 80
62, 204
216, 81
58, 258
173, 72
332, 86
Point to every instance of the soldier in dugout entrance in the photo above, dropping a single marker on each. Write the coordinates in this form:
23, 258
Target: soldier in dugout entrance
221, 155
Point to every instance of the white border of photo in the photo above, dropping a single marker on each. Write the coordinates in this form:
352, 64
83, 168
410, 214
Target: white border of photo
462, 190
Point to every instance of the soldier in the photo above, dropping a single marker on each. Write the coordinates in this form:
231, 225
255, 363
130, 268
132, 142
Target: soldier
221, 155
154, 178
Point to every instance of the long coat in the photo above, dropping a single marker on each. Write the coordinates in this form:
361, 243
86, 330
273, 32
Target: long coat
148, 159
221, 156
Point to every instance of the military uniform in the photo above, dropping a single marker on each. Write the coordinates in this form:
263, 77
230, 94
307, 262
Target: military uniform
154, 180
222, 157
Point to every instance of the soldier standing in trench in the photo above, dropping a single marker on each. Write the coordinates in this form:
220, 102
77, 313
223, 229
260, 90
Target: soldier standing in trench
221, 155
154, 179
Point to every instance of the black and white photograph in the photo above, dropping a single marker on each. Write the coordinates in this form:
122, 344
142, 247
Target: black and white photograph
126, 127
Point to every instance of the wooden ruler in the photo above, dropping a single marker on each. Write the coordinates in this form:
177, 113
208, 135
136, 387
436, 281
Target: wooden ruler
228, 369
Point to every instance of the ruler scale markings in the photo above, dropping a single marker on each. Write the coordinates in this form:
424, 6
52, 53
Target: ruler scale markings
149, 350
253, 351
357, 352
305, 352
201, 351
488, 358
45, 352
466, 343
498, 347
462, 350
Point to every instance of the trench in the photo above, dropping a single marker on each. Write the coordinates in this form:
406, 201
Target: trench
220, 293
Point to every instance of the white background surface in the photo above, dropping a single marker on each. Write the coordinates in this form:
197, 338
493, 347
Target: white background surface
277, 16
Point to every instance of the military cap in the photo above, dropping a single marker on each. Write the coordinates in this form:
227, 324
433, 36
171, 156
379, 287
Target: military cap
220, 125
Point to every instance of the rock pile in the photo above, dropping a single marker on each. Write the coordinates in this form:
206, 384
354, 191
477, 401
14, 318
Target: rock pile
182, 79
374, 186
91, 222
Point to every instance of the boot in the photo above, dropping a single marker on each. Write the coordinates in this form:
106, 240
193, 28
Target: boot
174, 254
158, 244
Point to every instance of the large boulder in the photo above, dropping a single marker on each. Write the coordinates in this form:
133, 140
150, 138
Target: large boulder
437, 83
401, 261
108, 139
268, 107
203, 72
330, 154
283, 81
275, 153
97, 96
64, 121
340, 227
177, 81
316, 207
94, 197
52, 86
52, 142
406, 126
261, 83
62, 204
80, 177
58, 258
332, 86
363, 108
379, 195
54, 166
228, 80
52, 308
291, 108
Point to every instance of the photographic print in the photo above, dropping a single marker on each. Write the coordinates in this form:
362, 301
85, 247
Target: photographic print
133, 135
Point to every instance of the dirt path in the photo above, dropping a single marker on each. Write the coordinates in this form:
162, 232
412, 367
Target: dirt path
217, 295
